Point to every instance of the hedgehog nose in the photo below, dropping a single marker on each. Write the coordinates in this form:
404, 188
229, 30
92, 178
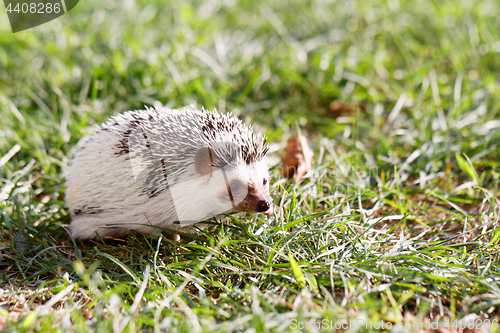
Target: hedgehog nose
262, 206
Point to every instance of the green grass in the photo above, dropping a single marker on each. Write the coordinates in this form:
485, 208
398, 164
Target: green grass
397, 221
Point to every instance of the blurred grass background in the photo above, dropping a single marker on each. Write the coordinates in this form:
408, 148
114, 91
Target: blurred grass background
414, 83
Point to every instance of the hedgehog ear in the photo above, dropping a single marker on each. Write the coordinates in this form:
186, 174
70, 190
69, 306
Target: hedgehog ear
203, 161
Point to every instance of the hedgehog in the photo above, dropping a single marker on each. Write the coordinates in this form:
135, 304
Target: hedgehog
164, 169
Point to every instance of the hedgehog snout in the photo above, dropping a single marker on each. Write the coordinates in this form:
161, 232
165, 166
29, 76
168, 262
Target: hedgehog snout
269, 210
263, 205
255, 203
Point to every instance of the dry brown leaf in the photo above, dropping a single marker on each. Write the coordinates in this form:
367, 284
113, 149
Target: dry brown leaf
337, 109
298, 158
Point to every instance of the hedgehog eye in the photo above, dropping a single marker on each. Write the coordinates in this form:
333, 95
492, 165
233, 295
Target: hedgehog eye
235, 186
264, 182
